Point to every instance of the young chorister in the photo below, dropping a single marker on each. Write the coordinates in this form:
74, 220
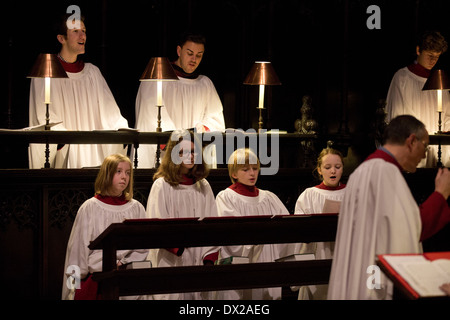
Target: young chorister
113, 203
243, 198
330, 167
180, 190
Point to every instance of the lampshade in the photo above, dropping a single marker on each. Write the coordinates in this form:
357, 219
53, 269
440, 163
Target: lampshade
159, 68
47, 65
262, 73
437, 80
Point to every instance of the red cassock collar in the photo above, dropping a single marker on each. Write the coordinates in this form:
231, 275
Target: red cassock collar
115, 201
180, 72
419, 70
380, 154
325, 187
185, 180
75, 67
242, 189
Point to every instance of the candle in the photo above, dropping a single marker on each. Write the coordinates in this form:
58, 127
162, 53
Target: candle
159, 93
261, 96
47, 90
439, 99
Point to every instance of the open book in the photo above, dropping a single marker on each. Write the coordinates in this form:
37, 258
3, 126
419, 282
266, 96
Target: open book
424, 276
297, 257
138, 265
233, 260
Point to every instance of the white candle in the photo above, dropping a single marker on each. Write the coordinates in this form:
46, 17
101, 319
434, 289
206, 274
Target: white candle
439, 99
261, 96
47, 90
159, 93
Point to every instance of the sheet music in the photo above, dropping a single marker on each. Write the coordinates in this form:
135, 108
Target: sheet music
423, 275
331, 206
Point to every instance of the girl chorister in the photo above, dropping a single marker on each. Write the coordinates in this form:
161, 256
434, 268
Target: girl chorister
180, 190
113, 203
330, 167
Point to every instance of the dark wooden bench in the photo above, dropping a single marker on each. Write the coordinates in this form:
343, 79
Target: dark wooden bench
191, 232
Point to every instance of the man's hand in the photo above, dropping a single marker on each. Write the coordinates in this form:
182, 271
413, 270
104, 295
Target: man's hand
442, 182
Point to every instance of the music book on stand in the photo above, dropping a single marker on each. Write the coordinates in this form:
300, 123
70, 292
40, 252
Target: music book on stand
418, 275
233, 260
138, 265
297, 257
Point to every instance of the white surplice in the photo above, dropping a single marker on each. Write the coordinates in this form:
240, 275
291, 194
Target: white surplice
187, 104
182, 201
311, 201
378, 215
83, 102
405, 96
231, 203
93, 217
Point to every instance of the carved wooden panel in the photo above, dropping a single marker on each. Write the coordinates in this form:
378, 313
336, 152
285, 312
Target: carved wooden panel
19, 206
64, 204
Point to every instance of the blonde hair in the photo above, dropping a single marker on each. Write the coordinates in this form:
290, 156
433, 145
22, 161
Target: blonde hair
241, 158
170, 171
106, 174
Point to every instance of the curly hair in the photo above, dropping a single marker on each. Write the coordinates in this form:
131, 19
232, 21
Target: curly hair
432, 41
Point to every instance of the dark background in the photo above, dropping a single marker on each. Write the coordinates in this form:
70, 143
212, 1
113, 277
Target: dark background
318, 48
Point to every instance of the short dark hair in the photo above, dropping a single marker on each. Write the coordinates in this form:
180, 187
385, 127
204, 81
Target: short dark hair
401, 127
61, 25
193, 36
432, 41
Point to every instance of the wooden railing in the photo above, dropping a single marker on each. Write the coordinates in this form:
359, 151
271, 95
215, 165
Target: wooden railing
38, 207
224, 231
306, 143
119, 136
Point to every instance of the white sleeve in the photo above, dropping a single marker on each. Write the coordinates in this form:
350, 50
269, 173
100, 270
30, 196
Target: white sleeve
156, 204
225, 205
302, 204
225, 208
395, 99
77, 254
213, 117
